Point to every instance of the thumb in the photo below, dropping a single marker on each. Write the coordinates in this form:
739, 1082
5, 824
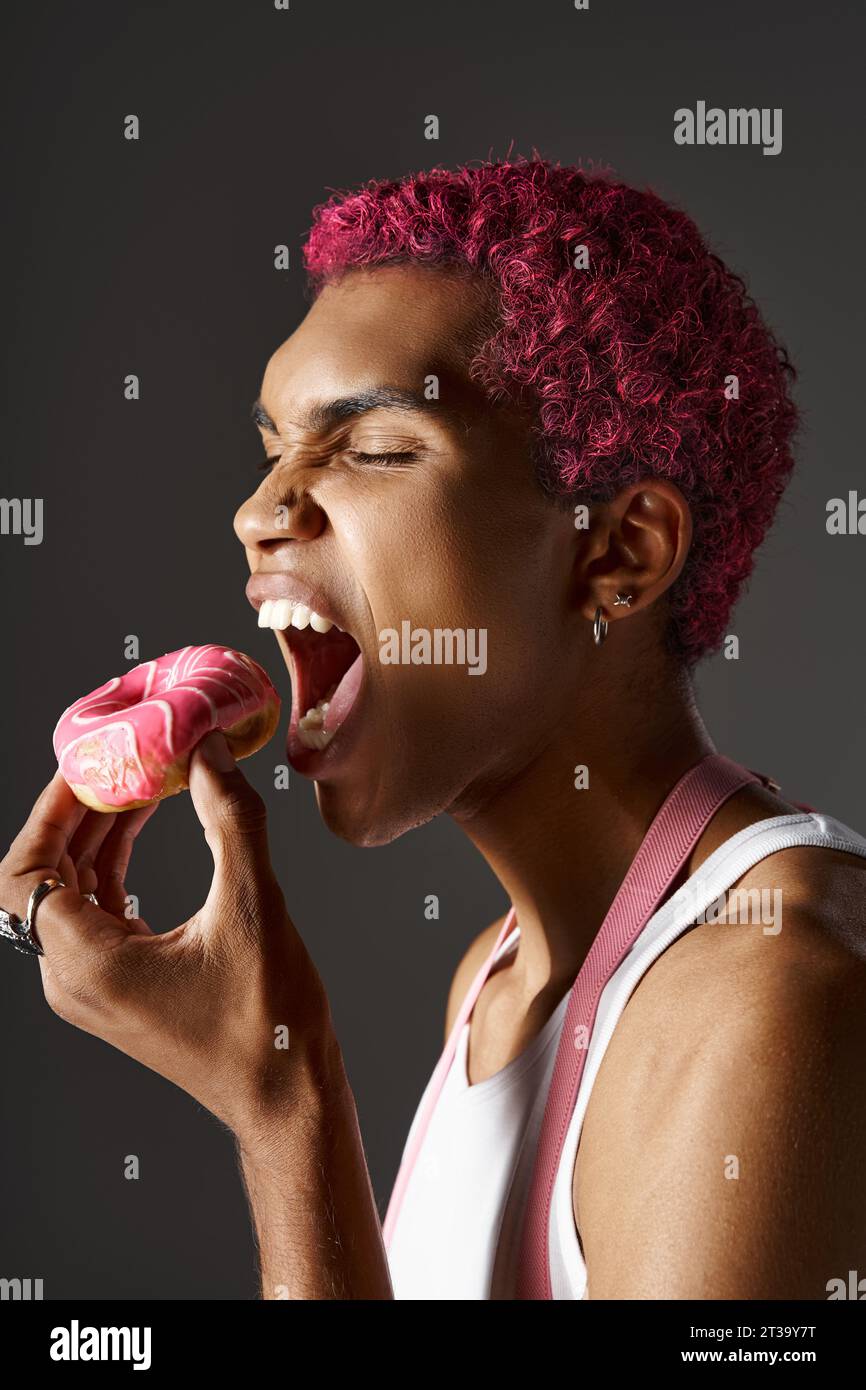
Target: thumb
232, 813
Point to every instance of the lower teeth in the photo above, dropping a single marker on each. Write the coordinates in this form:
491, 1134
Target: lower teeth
311, 730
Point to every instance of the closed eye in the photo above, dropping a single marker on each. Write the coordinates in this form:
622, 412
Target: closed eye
387, 459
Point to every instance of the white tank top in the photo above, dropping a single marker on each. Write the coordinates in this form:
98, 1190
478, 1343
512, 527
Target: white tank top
457, 1235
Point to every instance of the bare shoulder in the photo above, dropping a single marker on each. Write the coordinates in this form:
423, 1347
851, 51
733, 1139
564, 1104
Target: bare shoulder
727, 1126
471, 963
799, 914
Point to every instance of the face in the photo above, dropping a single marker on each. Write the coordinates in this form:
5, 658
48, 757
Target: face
396, 516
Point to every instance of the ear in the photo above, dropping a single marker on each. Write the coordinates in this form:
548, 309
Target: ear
635, 545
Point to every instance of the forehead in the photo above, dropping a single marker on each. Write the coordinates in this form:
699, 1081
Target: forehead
395, 324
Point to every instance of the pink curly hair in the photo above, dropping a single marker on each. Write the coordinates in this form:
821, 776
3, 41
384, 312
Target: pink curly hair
624, 363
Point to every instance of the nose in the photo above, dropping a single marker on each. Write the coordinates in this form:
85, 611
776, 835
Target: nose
276, 514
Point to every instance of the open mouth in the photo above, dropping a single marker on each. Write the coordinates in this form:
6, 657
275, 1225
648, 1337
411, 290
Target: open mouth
326, 668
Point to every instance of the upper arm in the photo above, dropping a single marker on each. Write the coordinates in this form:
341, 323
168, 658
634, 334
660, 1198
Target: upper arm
742, 1176
466, 971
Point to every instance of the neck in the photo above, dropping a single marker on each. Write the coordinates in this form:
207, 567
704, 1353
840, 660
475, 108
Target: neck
561, 853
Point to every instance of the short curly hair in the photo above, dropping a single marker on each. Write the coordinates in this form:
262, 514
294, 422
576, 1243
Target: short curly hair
626, 363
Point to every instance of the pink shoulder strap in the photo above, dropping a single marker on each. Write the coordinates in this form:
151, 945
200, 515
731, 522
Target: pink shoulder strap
437, 1081
664, 851
668, 842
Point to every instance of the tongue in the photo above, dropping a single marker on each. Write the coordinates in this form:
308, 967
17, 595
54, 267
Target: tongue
343, 697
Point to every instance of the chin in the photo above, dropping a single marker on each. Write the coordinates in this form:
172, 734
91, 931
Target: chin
368, 821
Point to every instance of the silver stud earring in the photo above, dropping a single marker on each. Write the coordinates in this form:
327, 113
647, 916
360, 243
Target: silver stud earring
623, 601
599, 627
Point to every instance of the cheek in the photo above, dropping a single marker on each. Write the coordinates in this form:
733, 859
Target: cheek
409, 550
437, 556
478, 687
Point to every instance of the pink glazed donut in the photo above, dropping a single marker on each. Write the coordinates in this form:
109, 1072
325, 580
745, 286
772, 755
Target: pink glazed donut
129, 742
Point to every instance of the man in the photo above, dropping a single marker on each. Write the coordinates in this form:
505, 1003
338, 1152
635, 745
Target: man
518, 456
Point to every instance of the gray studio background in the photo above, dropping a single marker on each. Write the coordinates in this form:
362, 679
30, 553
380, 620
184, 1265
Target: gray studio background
156, 258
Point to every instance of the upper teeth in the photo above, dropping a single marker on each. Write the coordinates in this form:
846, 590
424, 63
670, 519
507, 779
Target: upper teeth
280, 613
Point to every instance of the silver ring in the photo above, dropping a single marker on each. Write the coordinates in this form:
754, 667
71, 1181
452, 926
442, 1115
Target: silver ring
20, 933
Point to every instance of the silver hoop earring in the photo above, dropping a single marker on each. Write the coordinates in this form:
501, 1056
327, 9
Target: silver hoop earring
623, 601
599, 627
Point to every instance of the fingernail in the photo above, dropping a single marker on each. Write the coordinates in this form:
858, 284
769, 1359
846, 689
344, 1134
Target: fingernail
216, 752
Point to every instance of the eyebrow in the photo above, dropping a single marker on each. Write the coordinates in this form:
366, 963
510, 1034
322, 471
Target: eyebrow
326, 414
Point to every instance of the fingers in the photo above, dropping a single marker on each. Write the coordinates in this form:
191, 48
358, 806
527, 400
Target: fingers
70, 926
85, 846
112, 859
48, 830
230, 810
245, 898
85, 969
66, 872
97, 861
81, 941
